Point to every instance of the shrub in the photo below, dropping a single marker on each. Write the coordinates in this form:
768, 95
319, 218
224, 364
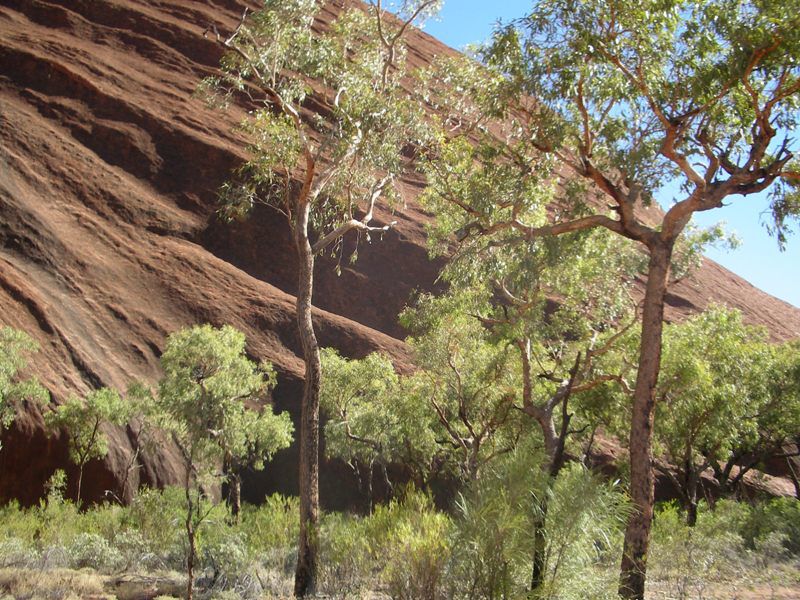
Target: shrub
346, 562
272, 530
93, 550
410, 538
584, 536
491, 542
15, 553
778, 515
158, 516
688, 559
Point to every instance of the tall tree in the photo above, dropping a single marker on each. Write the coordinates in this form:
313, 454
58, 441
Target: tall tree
620, 97
346, 162
563, 309
207, 380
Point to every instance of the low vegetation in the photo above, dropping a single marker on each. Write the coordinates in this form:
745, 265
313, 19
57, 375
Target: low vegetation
406, 549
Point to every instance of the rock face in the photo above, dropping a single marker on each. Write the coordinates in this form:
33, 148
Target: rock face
108, 237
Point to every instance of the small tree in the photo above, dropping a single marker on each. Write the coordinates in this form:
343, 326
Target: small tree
345, 163
207, 380
619, 98
372, 421
83, 420
558, 312
775, 421
143, 427
713, 383
14, 348
466, 380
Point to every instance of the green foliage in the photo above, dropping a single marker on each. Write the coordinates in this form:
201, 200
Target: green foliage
83, 418
372, 418
15, 346
713, 378
272, 528
347, 562
414, 538
207, 380
493, 522
779, 415
779, 516
611, 78
158, 516
584, 531
93, 550
467, 382
403, 545
409, 549
687, 558
493, 545
733, 546
355, 67
146, 537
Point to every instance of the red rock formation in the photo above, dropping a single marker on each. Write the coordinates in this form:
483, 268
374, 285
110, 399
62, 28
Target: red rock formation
108, 237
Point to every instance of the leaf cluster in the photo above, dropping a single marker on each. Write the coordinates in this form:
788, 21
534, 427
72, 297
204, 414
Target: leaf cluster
84, 419
208, 381
15, 346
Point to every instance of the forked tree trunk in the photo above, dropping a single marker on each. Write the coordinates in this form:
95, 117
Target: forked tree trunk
305, 581
637, 534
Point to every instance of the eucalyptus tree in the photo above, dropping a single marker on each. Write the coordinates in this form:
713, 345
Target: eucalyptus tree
713, 384
620, 98
326, 173
373, 421
15, 346
563, 310
207, 381
83, 420
775, 418
467, 381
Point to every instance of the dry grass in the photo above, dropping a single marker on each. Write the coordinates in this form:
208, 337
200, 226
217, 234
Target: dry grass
55, 584
86, 584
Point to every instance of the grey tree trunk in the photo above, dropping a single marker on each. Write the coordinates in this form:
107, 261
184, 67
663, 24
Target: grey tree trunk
305, 581
190, 535
554, 447
692, 477
637, 534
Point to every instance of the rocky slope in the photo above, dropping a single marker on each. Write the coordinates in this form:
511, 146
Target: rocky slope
108, 237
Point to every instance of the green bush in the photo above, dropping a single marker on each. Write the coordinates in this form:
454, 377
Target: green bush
403, 547
491, 542
17, 554
346, 559
94, 551
585, 521
688, 559
272, 530
158, 516
409, 538
776, 516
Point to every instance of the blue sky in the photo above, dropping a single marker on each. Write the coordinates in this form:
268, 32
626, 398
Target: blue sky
758, 259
